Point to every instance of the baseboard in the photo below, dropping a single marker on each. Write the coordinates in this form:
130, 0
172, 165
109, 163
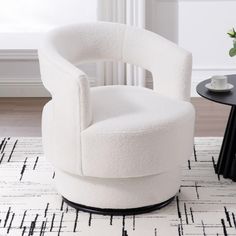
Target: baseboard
32, 87
18, 54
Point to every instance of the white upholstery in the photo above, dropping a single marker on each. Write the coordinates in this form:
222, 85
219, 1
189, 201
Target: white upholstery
105, 140
119, 193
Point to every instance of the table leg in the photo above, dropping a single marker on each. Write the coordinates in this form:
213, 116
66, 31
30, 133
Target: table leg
226, 165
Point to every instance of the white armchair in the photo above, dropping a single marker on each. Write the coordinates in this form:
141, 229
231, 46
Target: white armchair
116, 149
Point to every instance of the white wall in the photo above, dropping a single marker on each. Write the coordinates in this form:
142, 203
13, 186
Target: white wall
202, 30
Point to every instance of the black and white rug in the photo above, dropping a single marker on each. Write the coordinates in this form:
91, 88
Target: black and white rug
29, 204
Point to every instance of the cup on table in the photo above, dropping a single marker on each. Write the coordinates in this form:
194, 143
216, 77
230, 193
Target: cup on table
219, 82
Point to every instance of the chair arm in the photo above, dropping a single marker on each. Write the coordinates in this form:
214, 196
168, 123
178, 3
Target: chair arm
68, 86
71, 109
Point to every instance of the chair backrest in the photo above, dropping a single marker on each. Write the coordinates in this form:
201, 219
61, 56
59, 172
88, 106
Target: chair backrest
169, 64
90, 42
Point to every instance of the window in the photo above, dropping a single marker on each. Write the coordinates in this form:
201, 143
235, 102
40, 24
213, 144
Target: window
22, 23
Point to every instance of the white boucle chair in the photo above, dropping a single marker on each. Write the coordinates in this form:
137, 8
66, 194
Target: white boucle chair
116, 149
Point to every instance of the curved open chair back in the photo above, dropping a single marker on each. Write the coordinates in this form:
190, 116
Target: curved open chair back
115, 139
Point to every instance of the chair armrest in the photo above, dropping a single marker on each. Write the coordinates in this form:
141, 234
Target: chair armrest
68, 86
71, 108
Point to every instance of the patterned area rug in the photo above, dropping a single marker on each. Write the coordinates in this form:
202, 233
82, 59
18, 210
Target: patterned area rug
29, 204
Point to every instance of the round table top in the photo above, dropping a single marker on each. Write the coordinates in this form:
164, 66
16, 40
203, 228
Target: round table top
227, 98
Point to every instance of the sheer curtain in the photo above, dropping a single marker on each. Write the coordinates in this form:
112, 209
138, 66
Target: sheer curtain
130, 12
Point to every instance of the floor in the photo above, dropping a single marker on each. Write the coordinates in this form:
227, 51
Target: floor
30, 205
22, 117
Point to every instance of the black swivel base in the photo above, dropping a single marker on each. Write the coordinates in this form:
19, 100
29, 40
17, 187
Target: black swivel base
118, 212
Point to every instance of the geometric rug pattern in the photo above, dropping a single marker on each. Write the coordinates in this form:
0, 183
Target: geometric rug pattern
29, 204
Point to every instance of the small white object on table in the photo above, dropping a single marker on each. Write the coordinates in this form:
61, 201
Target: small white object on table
219, 83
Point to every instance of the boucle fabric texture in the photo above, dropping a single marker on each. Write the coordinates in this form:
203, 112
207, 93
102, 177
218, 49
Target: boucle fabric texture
116, 132
139, 125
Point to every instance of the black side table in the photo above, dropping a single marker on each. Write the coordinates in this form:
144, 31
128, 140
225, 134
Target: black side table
226, 164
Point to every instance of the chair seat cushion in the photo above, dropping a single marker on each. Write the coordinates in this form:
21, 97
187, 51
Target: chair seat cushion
135, 132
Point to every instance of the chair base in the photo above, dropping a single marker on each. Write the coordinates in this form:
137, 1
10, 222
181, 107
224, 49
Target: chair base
119, 212
139, 194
